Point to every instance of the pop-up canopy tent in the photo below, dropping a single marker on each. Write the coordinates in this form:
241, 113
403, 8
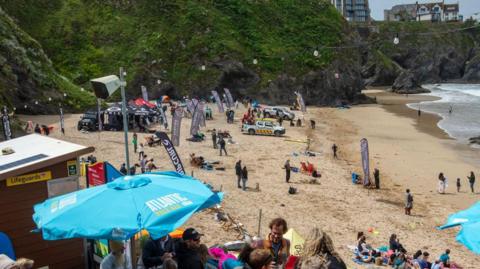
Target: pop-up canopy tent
141, 102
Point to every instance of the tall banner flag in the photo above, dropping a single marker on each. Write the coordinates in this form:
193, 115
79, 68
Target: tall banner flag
303, 108
62, 122
7, 131
190, 106
218, 101
201, 108
144, 93
230, 101
176, 125
172, 153
365, 161
196, 118
301, 102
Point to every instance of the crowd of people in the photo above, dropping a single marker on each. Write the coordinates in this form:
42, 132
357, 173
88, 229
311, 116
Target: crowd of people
398, 257
273, 252
443, 183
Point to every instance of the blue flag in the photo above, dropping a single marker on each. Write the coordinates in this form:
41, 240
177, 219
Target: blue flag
112, 172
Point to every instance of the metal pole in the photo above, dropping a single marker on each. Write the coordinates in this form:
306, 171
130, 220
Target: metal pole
259, 221
125, 122
99, 104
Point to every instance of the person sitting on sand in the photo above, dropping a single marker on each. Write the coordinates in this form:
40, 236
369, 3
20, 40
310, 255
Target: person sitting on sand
150, 166
401, 262
196, 161
445, 258
362, 246
364, 250
423, 262
318, 252
395, 243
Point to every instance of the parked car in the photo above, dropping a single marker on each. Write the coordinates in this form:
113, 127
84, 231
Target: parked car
263, 128
89, 121
271, 112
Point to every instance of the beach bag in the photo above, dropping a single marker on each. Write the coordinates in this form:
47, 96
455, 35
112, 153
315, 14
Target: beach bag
292, 190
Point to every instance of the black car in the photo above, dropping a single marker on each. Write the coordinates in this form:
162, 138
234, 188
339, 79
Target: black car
89, 121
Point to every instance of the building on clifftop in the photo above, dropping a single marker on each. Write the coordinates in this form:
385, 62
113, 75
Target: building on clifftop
433, 11
353, 10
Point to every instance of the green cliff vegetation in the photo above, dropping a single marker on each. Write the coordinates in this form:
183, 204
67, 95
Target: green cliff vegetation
171, 40
27, 75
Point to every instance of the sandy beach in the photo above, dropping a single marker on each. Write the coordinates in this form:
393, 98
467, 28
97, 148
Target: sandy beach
409, 152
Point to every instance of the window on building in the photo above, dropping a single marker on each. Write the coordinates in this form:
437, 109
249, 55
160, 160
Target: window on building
436, 9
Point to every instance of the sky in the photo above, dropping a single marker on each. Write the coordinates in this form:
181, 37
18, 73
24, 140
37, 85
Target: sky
467, 7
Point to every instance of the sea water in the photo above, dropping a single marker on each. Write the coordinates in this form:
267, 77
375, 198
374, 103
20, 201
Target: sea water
464, 102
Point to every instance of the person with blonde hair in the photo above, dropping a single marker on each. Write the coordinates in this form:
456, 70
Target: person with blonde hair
319, 253
117, 258
21, 263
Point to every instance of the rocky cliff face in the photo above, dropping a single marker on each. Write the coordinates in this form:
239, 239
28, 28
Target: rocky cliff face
427, 53
27, 78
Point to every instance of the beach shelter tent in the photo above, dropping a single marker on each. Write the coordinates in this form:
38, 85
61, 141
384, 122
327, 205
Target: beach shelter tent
296, 242
469, 219
140, 102
157, 202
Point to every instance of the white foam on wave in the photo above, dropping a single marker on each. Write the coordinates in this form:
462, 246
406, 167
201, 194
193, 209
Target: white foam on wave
464, 99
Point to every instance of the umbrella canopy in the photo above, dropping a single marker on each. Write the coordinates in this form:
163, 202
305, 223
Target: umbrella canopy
469, 219
157, 202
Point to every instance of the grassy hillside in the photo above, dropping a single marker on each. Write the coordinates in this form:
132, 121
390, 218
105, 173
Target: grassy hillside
171, 40
27, 77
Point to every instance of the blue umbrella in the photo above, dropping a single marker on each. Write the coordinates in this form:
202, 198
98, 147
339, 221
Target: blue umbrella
469, 219
157, 202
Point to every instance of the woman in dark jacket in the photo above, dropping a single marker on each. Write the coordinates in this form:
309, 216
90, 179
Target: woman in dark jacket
244, 178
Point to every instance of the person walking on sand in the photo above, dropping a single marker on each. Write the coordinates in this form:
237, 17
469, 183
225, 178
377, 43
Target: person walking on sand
238, 172
408, 202
458, 184
134, 142
123, 169
140, 152
288, 169
334, 149
376, 176
222, 143
471, 180
214, 138
244, 178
